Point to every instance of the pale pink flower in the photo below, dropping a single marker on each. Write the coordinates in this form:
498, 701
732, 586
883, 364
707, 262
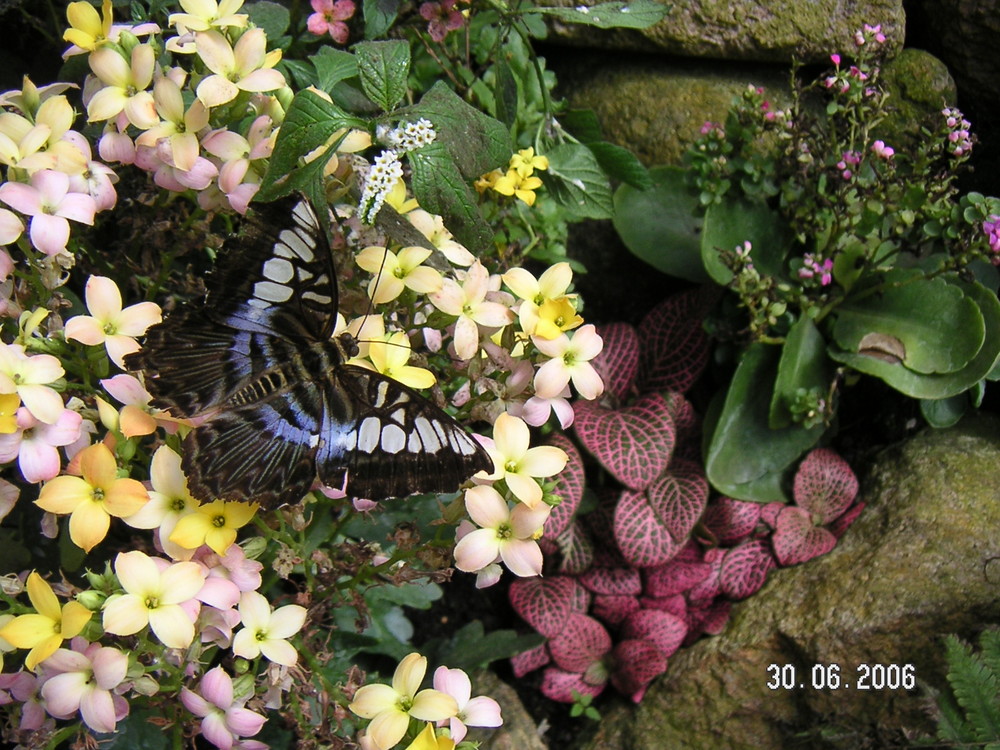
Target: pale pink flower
178, 128
9, 493
137, 417
239, 177
518, 464
154, 597
569, 361
329, 17
116, 147
96, 179
50, 204
503, 534
169, 501
267, 632
125, 83
432, 227
246, 67
537, 410
83, 680
108, 323
234, 566
480, 711
468, 302
28, 376
223, 720
882, 151
11, 227
35, 444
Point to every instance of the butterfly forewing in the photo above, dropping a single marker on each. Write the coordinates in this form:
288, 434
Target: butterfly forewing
276, 406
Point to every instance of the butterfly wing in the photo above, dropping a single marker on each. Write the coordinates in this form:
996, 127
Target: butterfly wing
382, 439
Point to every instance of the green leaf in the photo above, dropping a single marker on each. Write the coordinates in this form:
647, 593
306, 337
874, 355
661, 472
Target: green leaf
577, 182
746, 459
621, 164
583, 125
271, 17
333, 66
917, 385
476, 142
505, 93
944, 412
379, 16
637, 14
472, 648
803, 365
439, 188
731, 223
934, 328
310, 123
136, 730
384, 67
661, 225
976, 688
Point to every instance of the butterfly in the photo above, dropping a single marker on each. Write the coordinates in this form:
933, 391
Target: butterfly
277, 407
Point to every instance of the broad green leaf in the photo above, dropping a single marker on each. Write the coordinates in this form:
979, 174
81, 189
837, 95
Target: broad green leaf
379, 16
504, 93
731, 223
577, 182
803, 365
637, 14
745, 456
661, 225
333, 66
384, 67
440, 189
310, 123
621, 164
944, 412
582, 124
271, 17
476, 142
917, 385
928, 324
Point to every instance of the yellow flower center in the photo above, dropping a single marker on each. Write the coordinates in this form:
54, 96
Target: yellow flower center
152, 602
109, 329
98, 494
177, 504
219, 521
504, 531
510, 467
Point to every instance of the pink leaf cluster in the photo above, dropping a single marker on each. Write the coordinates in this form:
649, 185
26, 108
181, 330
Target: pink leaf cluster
658, 563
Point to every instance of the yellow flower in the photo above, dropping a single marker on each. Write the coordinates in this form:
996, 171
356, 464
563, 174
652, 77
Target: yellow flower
390, 357
45, 631
8, 412
428, 740
522, 188
94, 498
202, 15
396, 272
397, 198
214, 524
390, 707
89, 30
524, 162
519, 465
546, 310
556, 316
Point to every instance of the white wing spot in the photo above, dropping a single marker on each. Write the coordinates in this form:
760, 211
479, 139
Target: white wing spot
467, 445
268, 290
350, 441
393, 438
398, 416
296, 244
259, 303
441, 432
305, 274
320, 298
279, 269
368, 434
380, 393
456, 444
432, 443
413, 444
304, 214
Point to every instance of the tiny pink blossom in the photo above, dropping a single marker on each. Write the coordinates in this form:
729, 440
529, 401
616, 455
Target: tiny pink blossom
34, 444
835, 58
329, 17
223, 720
83, 680
882, 151
51, 206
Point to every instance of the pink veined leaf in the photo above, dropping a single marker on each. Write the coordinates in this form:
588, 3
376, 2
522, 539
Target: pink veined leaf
580, 601
618, 362
841, 524
797, 539
569, 486
674, 577
544, 603
675, 347
581, 643
679, 497
558, 685
825, 485
731, 520
642, 536
709, 588
745, 568
600, 525
613, 609
530, 660
769, 513
612, 581
637, 663
577, 550
708, 620
675, 605
687, 427
664, 630
634, 444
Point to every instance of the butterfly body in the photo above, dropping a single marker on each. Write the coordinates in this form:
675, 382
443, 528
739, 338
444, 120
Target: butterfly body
277, 406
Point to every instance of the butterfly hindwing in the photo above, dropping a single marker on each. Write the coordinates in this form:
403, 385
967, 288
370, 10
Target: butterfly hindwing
389, 441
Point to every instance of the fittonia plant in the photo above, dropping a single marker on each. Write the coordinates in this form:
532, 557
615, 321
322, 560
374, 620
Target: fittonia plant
646, 559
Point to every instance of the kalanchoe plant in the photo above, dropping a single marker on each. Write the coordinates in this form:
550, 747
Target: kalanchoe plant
656, 563
846, 253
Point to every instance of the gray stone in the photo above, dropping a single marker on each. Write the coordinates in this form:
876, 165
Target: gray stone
922, 560
519, 731
763, 30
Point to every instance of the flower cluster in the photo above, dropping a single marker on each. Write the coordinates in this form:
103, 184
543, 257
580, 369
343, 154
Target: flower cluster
519, 180
958, 135
391, 708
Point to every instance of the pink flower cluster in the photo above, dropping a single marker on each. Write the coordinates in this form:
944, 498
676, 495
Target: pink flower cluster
959, 138
813, 269
991, 228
